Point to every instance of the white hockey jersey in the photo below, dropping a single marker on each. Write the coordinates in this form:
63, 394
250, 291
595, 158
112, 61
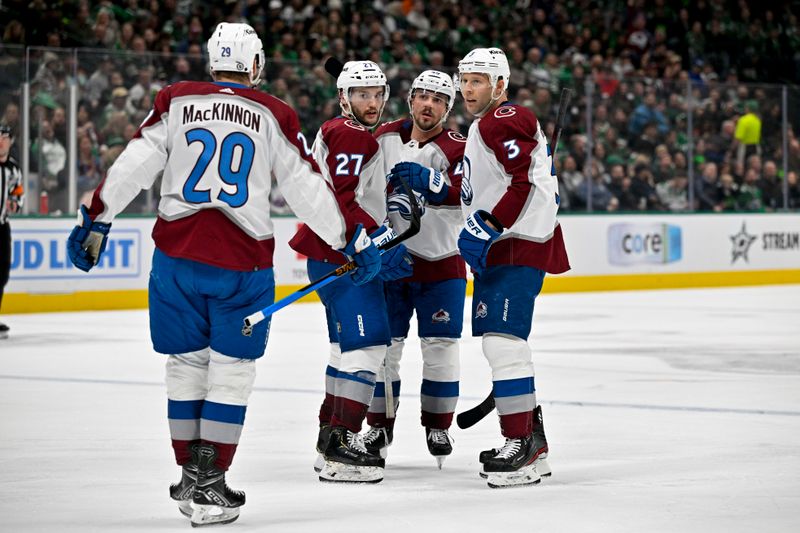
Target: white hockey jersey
350, 159
435, 247
508, 171
218, 146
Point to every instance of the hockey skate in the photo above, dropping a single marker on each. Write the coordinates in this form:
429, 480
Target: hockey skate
377, 441
322, 443
440, 444
213, 501
183, 489
348, 461
540, 442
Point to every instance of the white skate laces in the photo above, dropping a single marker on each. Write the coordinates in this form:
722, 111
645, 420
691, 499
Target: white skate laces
356, 441
509, 449
439, 436
374, 434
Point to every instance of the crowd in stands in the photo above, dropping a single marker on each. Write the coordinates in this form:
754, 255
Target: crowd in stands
679, 89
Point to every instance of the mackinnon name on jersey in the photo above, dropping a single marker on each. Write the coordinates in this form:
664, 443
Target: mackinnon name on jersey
220, 111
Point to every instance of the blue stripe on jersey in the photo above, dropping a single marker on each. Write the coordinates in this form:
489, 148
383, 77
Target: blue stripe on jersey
222, 412
440, 389
332, 372
184, 410
513, 387
357, 378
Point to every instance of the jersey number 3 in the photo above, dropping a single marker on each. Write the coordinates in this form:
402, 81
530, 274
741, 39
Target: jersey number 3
236, 178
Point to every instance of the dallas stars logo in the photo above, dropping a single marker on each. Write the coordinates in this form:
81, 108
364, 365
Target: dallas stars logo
741, 244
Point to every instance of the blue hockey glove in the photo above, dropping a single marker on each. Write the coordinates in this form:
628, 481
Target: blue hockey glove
426, 181
476, 238
87, 242
396, 261
365, 254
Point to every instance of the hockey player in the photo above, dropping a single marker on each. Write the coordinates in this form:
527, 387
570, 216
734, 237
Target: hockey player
429, 157
511, 238
218, 145
358, 327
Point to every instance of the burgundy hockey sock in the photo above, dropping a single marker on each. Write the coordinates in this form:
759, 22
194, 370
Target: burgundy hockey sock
182, 450
348, 413
225, 453
436, 420
326, 409
517, 425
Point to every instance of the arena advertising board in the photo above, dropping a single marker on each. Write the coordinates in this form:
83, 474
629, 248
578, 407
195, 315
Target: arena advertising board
641, 244
601, 247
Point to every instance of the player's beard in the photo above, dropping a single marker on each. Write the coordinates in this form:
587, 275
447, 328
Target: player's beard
426, 123
372, 121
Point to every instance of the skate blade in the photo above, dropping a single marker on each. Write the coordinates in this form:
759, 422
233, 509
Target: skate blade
210, 515
440, 460
518, 478
319, 463
185, 507
334, 472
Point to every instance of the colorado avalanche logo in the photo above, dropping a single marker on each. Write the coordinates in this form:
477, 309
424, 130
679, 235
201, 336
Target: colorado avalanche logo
466, 186
505, 111
440, 316
398, 203
481, 310
352, 124
456, 136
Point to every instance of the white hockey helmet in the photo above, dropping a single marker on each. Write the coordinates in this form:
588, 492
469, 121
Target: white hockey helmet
234, 47
490, 61
435, 82
360, 74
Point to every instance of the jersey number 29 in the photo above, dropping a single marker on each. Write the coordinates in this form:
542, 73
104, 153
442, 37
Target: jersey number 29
234, 177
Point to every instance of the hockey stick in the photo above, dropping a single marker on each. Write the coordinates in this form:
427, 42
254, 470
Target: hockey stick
470, 417
333, 66
330, 277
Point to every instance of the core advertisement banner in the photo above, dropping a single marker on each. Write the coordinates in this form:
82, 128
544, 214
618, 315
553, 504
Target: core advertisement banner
657, 243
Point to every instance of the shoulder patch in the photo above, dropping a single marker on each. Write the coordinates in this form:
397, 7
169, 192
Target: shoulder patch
456, 136
505, 111
351, 124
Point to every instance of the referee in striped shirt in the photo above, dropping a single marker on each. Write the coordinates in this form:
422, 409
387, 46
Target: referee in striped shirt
11, 194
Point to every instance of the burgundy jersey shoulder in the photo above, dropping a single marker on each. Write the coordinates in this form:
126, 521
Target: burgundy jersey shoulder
452, 143
508, 121
401, 126
342, 134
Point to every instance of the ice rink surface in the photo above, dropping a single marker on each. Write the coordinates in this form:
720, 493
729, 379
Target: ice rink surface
668, 411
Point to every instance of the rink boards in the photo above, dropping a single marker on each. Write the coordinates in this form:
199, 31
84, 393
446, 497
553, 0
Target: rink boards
607, 252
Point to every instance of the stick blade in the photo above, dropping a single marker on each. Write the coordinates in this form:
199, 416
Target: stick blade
333, 66
470, 417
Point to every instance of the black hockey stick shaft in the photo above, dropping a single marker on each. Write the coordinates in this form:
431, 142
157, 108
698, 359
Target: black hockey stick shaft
330, 277
472, 416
